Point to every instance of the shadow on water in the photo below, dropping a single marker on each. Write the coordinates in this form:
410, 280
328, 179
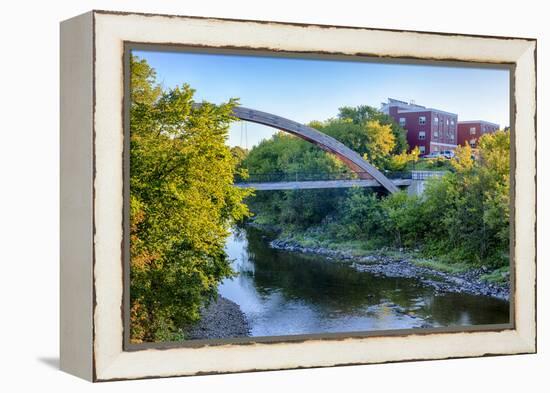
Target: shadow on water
284, 293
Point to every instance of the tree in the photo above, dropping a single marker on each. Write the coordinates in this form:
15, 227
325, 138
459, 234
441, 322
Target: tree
239, 153
286, 154
145, 89
380, 141
364, 113
403, 218
463, 160
399, 162
494, 156
471, 205
361, 214
371, 139
182, 203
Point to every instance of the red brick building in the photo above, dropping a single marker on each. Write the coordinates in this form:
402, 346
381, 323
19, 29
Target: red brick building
430, 129
470, 131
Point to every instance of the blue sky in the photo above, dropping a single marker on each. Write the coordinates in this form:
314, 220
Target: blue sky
304, 89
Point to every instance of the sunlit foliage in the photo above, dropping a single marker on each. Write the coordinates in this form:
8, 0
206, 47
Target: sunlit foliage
182, 204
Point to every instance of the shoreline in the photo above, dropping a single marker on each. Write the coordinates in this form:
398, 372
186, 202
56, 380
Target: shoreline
222, 318
468, 282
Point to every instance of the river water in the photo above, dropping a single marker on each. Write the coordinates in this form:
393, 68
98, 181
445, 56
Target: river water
285, 293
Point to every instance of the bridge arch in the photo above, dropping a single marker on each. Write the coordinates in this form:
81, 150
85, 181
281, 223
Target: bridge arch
351, 158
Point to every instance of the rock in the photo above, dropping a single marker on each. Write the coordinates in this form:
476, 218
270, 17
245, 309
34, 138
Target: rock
467, 282
220, 319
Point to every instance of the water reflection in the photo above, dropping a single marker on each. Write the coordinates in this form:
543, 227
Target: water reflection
285, 293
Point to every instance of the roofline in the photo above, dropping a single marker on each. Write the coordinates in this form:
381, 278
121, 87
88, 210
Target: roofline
408, 107
478, 121
426, 110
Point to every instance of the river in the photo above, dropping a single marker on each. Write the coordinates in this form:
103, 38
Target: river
286, 293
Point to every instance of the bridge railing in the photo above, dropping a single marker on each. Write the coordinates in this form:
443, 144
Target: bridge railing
312, 176
425, 175
397, 174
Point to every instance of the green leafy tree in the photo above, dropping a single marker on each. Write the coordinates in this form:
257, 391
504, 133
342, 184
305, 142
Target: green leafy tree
239, 153
361, 214
285, 156
364, 113
494, 156
182, 203
403, 219
472, 204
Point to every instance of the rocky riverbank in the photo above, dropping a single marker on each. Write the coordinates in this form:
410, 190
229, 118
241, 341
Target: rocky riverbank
222, 318
443, 282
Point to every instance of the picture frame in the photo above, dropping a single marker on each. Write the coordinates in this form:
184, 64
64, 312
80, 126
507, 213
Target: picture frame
94, 254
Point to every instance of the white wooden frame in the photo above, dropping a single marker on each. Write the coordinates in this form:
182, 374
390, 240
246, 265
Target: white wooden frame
92, 328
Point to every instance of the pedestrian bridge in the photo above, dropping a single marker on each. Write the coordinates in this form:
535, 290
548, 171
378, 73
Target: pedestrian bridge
414, 180
352, 159
365, 174
319, 184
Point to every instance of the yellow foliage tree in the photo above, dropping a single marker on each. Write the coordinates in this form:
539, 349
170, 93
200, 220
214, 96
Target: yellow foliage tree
463, 160
381, 140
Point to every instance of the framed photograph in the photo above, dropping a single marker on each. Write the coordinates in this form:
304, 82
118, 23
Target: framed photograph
243, 195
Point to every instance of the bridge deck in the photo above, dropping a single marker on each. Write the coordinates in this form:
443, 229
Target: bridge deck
304, 185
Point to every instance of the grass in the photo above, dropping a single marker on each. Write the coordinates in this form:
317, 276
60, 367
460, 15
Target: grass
452, 268
356, 247
311, 239
498, 276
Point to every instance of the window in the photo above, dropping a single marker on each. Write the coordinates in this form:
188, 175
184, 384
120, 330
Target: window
452, 122
436, 149
447, 121
422, 120
452, 137
436, 134
472, 131
422, 149
436, 120
421, 135
472, 142
402, 121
